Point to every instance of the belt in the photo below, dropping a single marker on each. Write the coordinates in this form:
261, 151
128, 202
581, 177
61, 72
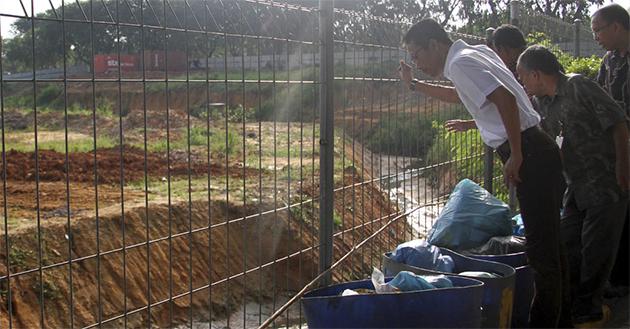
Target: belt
504, 149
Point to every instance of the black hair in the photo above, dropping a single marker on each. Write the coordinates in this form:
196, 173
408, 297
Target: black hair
614, 13
508, 36
539, 58
423, 31
490, 37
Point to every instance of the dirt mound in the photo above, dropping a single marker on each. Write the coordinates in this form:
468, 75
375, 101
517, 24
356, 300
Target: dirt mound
24, 199
52, 166
118, 281
200, 246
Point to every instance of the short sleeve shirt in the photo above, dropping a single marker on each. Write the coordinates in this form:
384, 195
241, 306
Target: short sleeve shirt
613, 77
477, 71
587, 115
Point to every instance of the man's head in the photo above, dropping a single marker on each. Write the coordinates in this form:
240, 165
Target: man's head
611, 27
537, 67
509, 43
427, 44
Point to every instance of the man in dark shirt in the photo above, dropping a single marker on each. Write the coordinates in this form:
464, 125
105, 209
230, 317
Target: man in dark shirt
595, 156
611, 29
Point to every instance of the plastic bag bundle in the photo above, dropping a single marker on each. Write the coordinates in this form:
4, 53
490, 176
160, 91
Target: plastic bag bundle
408, 281
470, 218
499, 245
419, 253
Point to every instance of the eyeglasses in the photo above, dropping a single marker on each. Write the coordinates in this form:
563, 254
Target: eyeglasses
598, 30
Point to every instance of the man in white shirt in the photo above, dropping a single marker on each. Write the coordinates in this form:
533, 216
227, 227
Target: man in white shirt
508, 123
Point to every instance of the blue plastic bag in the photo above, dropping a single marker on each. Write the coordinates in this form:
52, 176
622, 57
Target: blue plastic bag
519, 227
470, 218
408, 281
419, 253
439, 281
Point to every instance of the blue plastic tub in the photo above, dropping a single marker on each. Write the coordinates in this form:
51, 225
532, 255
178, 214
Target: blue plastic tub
457, 307
498, 292
524, 285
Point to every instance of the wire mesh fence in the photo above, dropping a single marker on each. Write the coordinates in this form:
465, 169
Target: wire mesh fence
163, 160
573, 38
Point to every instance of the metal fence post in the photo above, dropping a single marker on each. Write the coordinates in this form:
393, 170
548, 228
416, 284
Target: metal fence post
576, 37
515, 15
515, 12
326, 142
488, 163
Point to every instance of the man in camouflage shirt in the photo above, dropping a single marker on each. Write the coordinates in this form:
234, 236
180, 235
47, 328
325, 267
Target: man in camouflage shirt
611, 29
595, 157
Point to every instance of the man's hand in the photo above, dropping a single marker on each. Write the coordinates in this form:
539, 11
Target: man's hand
459, 125
405, 73
511, 169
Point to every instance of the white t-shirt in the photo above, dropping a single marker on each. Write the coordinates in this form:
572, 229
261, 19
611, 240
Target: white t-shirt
477, 71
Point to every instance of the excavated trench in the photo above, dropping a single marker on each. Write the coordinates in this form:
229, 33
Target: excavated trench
164, 271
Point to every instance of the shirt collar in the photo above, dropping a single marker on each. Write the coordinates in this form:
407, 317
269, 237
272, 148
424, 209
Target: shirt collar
562, 89
455, 47
616, 54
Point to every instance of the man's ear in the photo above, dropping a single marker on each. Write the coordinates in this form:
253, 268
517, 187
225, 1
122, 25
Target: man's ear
617, 26
535, 74
432, 45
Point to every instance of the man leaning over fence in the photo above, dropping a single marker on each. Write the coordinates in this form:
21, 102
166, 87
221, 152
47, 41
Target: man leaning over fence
611, 29
506, 122
595, 155
508, 42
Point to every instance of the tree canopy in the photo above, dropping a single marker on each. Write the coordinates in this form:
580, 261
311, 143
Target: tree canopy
69, 30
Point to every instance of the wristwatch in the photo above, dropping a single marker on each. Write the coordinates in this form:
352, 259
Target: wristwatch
412, 84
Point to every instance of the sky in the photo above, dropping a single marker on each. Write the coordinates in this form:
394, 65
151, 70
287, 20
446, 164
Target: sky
13, 7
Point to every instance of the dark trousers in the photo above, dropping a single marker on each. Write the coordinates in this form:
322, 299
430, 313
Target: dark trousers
592, 238
539, 198
620, 273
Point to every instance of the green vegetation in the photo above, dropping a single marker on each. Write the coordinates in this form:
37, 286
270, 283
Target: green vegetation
50, 100
337, 220
588, 66
18, 257
47, 288
463, 154
20, 142
409, 134
403, 134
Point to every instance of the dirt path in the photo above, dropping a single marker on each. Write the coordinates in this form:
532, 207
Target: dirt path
109, 167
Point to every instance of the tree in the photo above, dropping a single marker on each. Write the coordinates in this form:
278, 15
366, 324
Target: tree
84, 38
481, 14
227, 20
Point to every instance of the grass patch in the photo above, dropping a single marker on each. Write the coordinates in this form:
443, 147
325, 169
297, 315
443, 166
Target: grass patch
55, 141
18, 257
337, 220
220, 142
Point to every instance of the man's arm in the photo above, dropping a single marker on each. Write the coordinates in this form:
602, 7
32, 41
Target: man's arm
443, 93
506, 104
622, 167
460, 125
